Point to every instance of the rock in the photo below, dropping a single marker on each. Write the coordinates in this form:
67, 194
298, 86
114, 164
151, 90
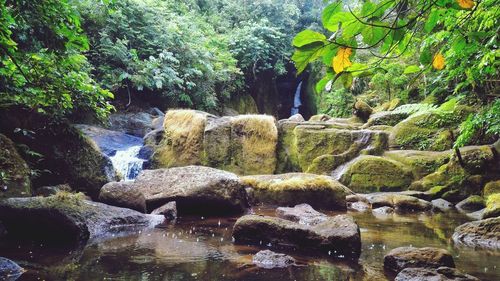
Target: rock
492, 206
421, 132
123, 194
441, 205
439, 274
109, 142
297, 118
491, 187
374, 173
268, 259
398, 201
14, 172
471, 204
358, 206
302, 214
386, 210
362, 110
319, 118
408, 257
169, 211
290, 189
388, 118
339, 234
132, 123
68, 218
196, 190
46, 191
483, 234
421, 163
9, 270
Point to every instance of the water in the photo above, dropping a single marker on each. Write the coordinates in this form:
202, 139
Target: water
296, 100
196, 249
127, 162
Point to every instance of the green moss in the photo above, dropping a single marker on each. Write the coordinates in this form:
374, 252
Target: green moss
243, 104
491, 188
437, 191
492, 206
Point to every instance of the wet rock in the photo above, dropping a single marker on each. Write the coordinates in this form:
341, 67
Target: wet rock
132, 123
109, 142
51, 190
15, 173
398, 201
196, 190
169, 211
322, 192
483, 234
374, 173
358, 206
383, 210
68, 218
302, 214
123, 194
471, 204
297, 118
339, 234
408, 257
9, 270
492, 206
441, 205
439, 274
268, 259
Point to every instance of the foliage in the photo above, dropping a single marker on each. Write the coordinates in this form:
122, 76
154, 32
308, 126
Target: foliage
487, 122
41, 59
337, 103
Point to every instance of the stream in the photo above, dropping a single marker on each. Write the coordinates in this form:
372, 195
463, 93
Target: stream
197, 248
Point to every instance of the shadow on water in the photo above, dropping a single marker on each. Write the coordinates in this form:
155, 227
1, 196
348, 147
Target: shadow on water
197, 248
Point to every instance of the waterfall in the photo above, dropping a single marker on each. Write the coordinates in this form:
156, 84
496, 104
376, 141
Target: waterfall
296, 100
127, 162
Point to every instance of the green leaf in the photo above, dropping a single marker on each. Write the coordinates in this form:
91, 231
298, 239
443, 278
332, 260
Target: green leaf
411, 69
327, 18
351, 27
373, 34
307, 37
320, 86
304, 55
432, 20
458, 45
346, 80
329, 52
425, 56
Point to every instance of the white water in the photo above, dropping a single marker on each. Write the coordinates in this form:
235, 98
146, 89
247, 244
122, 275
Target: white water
296, 100
127, 163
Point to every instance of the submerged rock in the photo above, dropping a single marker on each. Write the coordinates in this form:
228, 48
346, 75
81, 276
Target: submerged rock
439, 274
268, 259
67, 218
483, 234
169, 211
15, 173
295, 188
338, 235
441, 205
123, 194
408, 257
9, 270
303, 214
196, 190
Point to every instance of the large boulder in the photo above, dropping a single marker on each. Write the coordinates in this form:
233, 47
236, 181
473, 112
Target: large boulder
471, 204
302, 214
123, 194
294, 188
14, 172
339, 235
483, 234
421, 163
374, 173
492, 206
68, 218
268, 259
109, 142
196, 190
435, 274
408, 257
399, 202
133, 123
9, 270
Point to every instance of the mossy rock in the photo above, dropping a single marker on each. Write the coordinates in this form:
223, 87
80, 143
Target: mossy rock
492, 206
362, 109
14, 172
320, 118
295, 188
388, 118
430, 130
491, 188
374, 173
243, 104
422, 163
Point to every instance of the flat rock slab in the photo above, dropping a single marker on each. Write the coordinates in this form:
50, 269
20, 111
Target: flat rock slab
123, 194
268, 259
196, 190
482, 234
398, 201
9, 270
302, 214
68, 218
439, 274
407, 257
290, 189
169, 211
338, 235
441, 205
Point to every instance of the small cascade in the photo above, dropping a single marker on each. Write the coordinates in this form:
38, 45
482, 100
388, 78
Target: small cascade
296, 100
128, 163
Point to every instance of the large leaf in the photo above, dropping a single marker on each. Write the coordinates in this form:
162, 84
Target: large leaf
307, 37
304, 55
320, 86
373, 34
350, 26
411, 69
425, 56
432, 20
328, 17
341, 61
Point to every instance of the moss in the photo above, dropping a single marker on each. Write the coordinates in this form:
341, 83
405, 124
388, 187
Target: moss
320, 118
422, 163
182, 142
287, 148
491, 188
14, 172
437, 191
492, 206
291, 182
243, 104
